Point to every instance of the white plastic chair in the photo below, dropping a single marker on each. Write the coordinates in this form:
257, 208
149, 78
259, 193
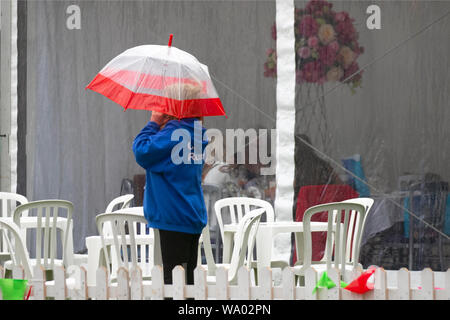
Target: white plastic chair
48, 218
122, 202
367, 203
341, 237
19, 253
15, 245
243, 248
8, 203
205, 242
125, 247
94, 246
237, 208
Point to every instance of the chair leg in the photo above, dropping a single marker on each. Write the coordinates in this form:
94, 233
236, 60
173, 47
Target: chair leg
441, 257
255, 272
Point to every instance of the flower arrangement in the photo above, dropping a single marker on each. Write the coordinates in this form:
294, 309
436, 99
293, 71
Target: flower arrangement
326, 44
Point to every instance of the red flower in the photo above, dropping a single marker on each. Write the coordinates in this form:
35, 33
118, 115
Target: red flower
352, 69
317, 5
327, 55
308, 26
346, 31
312, 71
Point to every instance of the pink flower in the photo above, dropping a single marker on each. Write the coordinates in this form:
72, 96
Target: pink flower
334, 46
312, 71
304, 52
274, 31
270, 51
313, 42
308, 26
327, 55
340, 16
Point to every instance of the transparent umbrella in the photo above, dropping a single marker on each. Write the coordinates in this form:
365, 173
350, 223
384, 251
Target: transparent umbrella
159, 78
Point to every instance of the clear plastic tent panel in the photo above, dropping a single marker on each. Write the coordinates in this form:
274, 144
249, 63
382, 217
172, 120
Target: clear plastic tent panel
372, 113
372, 110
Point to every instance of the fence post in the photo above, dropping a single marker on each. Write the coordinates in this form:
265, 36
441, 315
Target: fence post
82, 292
310, 284
158, 283
179, 281
244, 284
222, 284
101, 287
380, 285
137, 289
403, 291
427, 284
39, 290
447, 285
200, 283
266, 285
60, 288
334, 293
288, 284
123, 284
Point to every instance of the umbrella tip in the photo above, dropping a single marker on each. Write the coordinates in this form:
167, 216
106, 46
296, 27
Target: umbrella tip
170, 40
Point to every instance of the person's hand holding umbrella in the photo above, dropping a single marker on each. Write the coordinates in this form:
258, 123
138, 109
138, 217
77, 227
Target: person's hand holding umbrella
160, 118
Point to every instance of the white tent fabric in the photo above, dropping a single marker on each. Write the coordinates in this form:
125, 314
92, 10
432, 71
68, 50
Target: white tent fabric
285, 121
9, 96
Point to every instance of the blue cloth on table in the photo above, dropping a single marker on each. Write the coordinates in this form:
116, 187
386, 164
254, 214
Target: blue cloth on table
354, 165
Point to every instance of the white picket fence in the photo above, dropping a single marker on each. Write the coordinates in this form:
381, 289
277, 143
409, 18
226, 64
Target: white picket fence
403, 285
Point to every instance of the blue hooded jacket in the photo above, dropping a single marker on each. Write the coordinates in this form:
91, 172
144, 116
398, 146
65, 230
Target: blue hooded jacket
173, 196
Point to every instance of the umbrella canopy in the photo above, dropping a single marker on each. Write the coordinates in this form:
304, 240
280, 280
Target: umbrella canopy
159, 78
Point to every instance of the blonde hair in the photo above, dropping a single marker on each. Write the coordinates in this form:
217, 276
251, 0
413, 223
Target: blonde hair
182, 91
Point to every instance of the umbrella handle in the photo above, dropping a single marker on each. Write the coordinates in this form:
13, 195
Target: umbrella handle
170, 40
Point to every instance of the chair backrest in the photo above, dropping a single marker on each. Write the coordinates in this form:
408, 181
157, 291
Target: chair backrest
45, 214
16, 246
125, 246
244, 242
8, 203
122, 202
313, 195
338, 233
238, 207
354, 226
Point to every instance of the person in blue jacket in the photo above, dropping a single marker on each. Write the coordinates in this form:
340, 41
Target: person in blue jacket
173, 197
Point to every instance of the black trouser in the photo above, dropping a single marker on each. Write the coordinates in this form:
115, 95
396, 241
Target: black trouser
178, 248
